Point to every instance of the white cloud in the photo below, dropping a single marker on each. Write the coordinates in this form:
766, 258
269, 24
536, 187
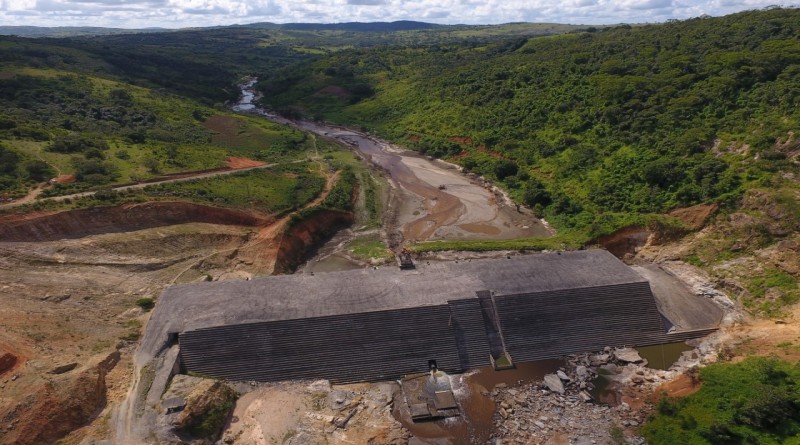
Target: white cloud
366, 2
644, 4
21, 5
184, 13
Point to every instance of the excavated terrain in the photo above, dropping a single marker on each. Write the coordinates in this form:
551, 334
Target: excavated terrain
69, 287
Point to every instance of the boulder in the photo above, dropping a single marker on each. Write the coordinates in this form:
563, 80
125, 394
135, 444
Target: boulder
61, 369
340, 399
628, 355
581, 372
563, 376
318, 386
553, 383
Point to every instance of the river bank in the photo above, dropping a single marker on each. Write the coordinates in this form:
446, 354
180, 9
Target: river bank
432, 199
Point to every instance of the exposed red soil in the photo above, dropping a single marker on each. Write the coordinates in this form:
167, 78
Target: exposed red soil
460, 156
53, 226
682, 386
694, 217
333, 90
64, 179
302, 236
61, 406
235, 162
8, 362
413, 138
625, 241
461, 139
493, 154
68, 312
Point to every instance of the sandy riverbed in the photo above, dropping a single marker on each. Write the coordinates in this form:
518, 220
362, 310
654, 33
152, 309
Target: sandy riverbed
438, 201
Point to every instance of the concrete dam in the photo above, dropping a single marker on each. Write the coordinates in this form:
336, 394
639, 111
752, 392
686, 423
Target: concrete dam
379, 324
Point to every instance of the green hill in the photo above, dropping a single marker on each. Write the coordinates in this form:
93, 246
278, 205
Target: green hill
77, 118
589, 128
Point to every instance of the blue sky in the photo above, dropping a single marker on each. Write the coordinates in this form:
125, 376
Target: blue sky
189, 13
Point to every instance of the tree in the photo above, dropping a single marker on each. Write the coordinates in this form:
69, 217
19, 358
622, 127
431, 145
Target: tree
94, 171
152, 165
535, 193
505, 168
9, 160
121, 97
39, 170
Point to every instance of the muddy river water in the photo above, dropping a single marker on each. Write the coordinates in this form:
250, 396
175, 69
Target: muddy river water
472, 390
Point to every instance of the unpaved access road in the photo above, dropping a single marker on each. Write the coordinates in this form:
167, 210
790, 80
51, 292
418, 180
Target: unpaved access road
168, 180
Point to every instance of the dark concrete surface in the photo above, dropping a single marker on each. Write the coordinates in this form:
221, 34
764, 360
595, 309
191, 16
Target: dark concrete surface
285, 297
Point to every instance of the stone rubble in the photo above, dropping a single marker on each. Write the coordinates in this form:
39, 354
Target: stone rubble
560, 408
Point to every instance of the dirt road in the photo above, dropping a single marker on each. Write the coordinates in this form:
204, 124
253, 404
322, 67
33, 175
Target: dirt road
31, 197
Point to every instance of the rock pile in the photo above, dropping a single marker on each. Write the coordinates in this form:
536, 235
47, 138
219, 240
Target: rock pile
562, 409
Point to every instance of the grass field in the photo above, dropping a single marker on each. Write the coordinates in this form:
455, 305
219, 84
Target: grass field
257, 138
369, 247
271, 190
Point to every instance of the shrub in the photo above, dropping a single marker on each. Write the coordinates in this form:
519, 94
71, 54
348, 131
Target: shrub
146, 303
505, 168
39, 170
753, 401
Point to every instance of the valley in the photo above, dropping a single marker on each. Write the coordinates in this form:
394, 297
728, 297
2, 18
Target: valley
134, 163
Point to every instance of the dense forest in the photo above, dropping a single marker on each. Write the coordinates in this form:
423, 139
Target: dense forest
589, 127
124, 106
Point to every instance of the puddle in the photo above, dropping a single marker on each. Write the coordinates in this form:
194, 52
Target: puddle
475, 425
663, 356
480, 228
328, 256
523, 373
605, 388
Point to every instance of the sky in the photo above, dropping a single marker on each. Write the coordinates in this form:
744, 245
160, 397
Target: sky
194, 13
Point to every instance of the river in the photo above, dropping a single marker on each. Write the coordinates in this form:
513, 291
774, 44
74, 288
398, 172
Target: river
436, 200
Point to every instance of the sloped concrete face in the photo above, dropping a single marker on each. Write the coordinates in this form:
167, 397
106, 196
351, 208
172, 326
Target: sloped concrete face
380, 324
551, 324
287, 297
381, 345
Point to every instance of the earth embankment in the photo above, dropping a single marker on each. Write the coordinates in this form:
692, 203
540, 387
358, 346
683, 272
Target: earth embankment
305, 235
80, 223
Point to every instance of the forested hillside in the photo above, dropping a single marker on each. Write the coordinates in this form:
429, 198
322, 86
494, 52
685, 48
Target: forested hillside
118, 108
589, 128
68, 113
